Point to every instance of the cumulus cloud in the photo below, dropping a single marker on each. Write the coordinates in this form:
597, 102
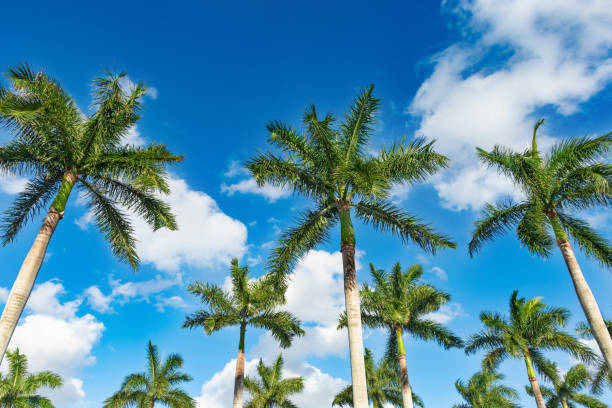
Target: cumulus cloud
206, 236
554, 53
249, 186
55, 337
446, 313
440, 273
317, 272
10, 184
150, 291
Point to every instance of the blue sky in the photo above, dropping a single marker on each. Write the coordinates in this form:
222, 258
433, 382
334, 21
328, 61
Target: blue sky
465, 73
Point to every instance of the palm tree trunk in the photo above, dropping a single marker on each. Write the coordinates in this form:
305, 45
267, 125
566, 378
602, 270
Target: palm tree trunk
564, 403
22, 287
152, 404
239, 377
406, 389
537, 393
353, 308
585, 296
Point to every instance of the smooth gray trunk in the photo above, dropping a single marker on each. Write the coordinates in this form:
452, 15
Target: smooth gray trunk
406, 388
22, 287
239, 380
353, 314
588, 303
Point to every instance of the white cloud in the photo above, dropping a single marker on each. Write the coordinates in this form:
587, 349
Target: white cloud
235, 168
218, 391
440, 273
206, 236
127, 84
133, 137
249, 186
55, 337
319, 387
11, 184
447, 313
140, 291
556, 54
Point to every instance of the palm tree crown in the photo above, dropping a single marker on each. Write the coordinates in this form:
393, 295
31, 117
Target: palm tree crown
383, 385
573, 176
484, 391
18, 388
272, 390
58, 147
331, 166
399, 302
159, 383
566, 389
251, 302
531, 328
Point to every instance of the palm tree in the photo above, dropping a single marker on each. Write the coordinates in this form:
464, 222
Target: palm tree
18, 388
483, 391
566, 389
531, 328
331, 166
603, 374
58, 147
251, 302
400, 304
573, 176
272, 390
159, 384
383, 385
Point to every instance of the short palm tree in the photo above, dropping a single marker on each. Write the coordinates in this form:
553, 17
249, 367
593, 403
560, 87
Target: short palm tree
331, 166
158, 384
384, 387
573, 176
251, 302
400, 304
272, 390
531, 329
566, 389
18, 388
484, 391
603, 374
58, 147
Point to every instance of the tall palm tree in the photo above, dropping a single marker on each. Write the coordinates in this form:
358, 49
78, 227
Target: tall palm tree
158, 384
531, 329
331, 166
603, 374
251, 302
383, 385
18, 388
484, 391
566, 389
272, 390
58, 147
400, 304
573, 176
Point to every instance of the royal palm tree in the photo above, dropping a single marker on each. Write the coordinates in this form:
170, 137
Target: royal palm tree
58, 147
400, 304
603, 374
566, 389
272, 390
573, 176
18, 388
251, 302
331, 165
531, 329
158, 384
383, 385
484, 391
